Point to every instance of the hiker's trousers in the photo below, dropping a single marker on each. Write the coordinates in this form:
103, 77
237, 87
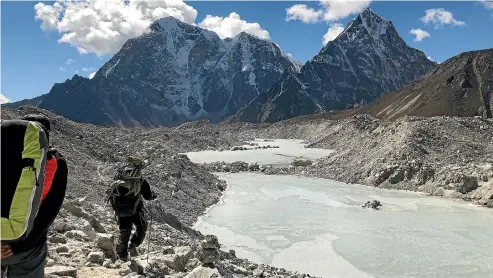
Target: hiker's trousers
30, 263
125, 224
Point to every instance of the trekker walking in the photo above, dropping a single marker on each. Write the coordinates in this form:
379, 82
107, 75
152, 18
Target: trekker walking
126, 196
34, 181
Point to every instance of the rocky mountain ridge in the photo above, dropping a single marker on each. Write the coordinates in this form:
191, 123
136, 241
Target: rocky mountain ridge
366, 61
172, 74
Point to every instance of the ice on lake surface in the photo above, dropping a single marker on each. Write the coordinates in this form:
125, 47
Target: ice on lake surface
318, 226
288, 151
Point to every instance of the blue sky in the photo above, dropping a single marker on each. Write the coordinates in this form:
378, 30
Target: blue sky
33, 59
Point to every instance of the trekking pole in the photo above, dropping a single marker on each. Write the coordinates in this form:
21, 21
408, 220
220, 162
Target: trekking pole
150, 234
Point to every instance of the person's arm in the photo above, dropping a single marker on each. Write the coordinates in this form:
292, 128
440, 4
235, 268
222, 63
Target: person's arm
49, 208
146, 191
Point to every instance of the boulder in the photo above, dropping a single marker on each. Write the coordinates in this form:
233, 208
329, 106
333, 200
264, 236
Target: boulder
95, 257
77, 235
179, 259
81, 213
301, 162
210, 241
375, 204
61, 270
89, 230
466, 184
57, 238
61, 249
106, 242
135, 266
208, 255
168, 250
203, 272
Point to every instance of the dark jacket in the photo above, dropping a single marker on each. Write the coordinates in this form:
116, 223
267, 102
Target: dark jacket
49, 208
145, 190
125, 206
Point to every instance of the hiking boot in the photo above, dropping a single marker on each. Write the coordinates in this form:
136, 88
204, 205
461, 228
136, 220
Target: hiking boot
133, 251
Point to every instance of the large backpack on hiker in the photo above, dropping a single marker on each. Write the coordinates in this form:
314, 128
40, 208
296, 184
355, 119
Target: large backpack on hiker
124, 193
24, 151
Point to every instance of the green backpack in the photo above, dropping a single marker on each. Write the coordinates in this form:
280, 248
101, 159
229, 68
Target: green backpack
124, 192
24, 149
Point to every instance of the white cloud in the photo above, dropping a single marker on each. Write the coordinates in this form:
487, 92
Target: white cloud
440, 17
331, 10
69, 61
91, 75
87, 69
488, 4
62, 68
228, 27
103, 26
303, 13
339, 9
420, 34
4, 99
334, 30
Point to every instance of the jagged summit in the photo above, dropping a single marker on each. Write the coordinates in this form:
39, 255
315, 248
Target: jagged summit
176, 72
366, 61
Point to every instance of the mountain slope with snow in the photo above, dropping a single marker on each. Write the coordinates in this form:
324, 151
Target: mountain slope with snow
366, 61
172, 74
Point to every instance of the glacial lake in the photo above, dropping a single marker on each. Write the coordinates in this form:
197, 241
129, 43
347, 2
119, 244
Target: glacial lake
317, 226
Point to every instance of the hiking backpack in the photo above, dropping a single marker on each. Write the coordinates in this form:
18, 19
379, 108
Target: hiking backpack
24, 150
124, 193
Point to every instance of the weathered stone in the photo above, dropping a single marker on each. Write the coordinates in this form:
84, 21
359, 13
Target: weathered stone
95, 257
179, 259
203, 272
301, 162
61, 271
106, 242
50, 262
61, 249
77, 235
208, 256
135, 266
168, 250
210, 241
466, 184
57, 238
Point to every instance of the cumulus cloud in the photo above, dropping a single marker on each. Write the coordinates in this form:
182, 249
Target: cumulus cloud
339, 9
334, 30
103, 26
4, 99
232, 25
330, 10
91, 75
303, 13
420, 34
440, 17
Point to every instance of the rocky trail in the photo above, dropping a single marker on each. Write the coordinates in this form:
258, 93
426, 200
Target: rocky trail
83, 237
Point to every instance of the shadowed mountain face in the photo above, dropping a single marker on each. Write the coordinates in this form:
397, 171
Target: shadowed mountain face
461, 86
366, 61
173, 74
